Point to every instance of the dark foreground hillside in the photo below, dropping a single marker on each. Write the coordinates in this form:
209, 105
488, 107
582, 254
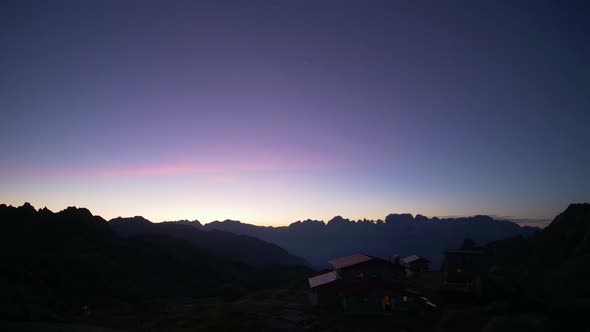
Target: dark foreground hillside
549, 271
535, 284
70, 266
68, 271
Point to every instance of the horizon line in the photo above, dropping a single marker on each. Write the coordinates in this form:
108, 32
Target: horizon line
522, 222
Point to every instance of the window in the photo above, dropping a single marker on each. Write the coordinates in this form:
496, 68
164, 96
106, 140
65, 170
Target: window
459, 270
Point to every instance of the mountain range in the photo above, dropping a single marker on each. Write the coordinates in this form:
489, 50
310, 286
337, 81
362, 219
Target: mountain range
399, 234
246, 249
55, 264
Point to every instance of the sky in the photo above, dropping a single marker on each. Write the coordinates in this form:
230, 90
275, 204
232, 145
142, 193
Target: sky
281, 110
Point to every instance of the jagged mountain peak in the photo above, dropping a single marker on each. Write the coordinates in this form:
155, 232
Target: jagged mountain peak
136, 220
399, 217
192, 223
339, 220
75, 211
27, 208
308, 223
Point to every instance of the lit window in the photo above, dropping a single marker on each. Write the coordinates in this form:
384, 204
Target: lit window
459, 270
405, 298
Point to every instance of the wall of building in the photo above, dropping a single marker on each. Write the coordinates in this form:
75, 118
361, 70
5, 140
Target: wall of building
374, 302
379, 270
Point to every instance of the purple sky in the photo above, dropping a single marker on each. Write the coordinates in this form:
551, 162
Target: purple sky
275, 111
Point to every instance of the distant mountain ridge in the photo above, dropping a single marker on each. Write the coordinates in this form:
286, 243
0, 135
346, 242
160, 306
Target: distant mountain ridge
317, 242
193, 223
402, 234
246, 249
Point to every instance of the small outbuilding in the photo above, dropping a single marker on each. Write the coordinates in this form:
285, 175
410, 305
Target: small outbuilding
415, 264
324, 289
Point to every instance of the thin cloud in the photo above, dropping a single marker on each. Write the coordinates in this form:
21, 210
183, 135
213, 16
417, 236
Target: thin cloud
218, 170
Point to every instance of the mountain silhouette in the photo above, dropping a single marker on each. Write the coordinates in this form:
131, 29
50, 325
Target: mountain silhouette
559, 254
548, 271
401, 234
193, 223
242, 248
54, 264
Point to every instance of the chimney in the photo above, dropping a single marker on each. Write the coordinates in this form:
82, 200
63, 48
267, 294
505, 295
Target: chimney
395, 259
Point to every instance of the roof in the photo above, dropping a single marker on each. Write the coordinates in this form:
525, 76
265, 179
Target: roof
322, 279
411, 258
351, 260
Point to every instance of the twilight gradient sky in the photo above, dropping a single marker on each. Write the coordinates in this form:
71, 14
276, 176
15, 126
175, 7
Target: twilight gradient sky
274, 111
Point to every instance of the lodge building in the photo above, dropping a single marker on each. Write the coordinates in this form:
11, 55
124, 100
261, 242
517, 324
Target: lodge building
362, 284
